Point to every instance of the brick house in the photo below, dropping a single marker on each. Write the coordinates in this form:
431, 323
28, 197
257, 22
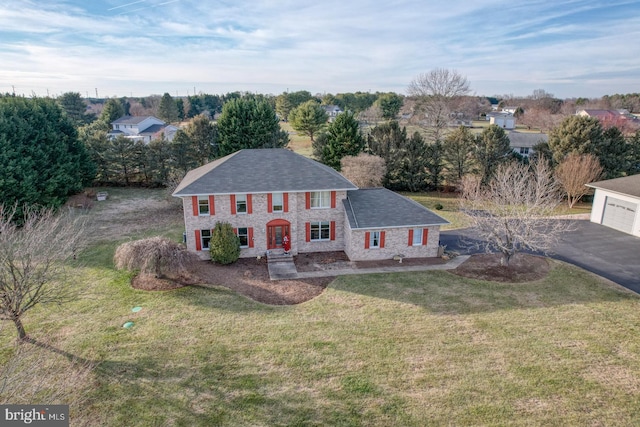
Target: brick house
269, 193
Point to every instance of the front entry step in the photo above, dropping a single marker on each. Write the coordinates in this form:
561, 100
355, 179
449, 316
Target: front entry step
281, 266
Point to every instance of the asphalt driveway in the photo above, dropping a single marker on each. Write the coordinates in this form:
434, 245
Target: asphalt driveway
601, 250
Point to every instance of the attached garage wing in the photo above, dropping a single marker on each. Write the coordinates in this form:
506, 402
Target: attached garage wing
619, 214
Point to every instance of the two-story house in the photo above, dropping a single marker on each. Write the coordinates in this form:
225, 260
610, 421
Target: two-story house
269, 193
142, 128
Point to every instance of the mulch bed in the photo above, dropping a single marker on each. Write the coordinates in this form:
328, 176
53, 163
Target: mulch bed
250, 276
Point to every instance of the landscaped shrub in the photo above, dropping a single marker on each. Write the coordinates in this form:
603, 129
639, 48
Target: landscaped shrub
224, 246
157, 256
438, 207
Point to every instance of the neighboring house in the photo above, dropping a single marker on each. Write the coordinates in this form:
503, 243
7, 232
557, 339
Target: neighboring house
269, 193
332, 111
616, 204
510, 110
142, 128
619, 118
505, 121
523, 143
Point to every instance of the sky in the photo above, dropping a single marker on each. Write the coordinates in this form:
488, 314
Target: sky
581, 48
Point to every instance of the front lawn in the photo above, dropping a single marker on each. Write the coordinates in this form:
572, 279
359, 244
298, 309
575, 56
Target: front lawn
408, 349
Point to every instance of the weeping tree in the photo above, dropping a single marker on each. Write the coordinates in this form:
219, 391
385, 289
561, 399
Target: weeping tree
514, 211
33, 259
155, 256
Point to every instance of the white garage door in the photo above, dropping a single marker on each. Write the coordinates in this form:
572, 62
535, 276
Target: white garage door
619, 214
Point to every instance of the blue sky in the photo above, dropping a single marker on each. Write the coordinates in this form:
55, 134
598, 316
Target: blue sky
137, 48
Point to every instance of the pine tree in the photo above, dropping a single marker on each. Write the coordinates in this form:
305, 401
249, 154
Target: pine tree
308, 118
457, 154
492, 148
168, 110
224, 246
343, 138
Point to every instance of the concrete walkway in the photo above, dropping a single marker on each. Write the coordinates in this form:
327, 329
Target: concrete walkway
347, 271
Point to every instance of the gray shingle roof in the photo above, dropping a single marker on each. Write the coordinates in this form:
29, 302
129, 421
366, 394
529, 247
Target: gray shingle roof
261, 171
629, 185
382, 208
131, 120
524, 139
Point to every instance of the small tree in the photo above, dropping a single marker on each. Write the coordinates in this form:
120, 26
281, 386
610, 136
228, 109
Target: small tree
32, 261
224, 246
156, 256
308, 118
364, 170
575, 172
513, 212
343, 138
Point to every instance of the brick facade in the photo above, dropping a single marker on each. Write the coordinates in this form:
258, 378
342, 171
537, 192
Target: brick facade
396, 242
297, 215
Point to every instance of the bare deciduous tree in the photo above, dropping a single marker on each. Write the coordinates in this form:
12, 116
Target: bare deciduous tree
514, 211
437, 92
157, 256
574, 172
32, 260
364, 170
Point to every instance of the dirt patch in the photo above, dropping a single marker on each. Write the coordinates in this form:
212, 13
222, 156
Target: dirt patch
522, 268
247, 276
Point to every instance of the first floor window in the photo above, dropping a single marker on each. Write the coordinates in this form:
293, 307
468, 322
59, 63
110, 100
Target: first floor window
241, 203
417, 237
243, 235
320, 230
203, 205
524, 151
374, 239
205, 238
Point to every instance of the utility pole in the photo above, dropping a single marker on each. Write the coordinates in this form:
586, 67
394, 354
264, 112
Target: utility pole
96, 92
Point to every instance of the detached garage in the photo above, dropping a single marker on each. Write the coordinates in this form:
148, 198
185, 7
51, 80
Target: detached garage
616, 204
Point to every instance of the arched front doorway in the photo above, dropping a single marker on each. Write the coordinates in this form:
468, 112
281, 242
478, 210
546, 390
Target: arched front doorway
276, 230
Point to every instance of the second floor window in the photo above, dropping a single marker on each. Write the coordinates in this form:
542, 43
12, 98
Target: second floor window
277, 202
241, 203
320, 199
203, 205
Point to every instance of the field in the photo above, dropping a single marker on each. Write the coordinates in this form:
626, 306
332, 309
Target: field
408, 349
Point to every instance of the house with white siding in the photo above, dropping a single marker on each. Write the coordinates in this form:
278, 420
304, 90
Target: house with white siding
142, 128
267, 194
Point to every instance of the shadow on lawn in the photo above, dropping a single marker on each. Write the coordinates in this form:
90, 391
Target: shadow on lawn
443, 292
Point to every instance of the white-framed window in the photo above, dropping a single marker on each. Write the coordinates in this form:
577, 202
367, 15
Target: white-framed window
241, 203
277, 202
374, 239
205, 238
203, 205
417, 237
243, 235
320, 230
320, 199
524, 151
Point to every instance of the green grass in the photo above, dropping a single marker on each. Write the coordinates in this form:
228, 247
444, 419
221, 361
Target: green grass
301, 144
409, 349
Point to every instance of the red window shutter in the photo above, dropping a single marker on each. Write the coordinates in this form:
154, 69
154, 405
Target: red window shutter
194, 202
232, 199
410, 237
333, 200
285, 202
235, 231
307, 231
198, 241
333, 230
307, 200
212, 205
269, 202
367, 237
382, 239
425, 234
249, 204
250, 236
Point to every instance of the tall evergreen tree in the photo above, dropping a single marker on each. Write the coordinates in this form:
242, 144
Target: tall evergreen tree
458, 149
75, 107
390, 104
633, 154
343, 138
434, 164
168, 110
112, 111
42, 160
249, 123
491, 149
612, 152
579, 134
